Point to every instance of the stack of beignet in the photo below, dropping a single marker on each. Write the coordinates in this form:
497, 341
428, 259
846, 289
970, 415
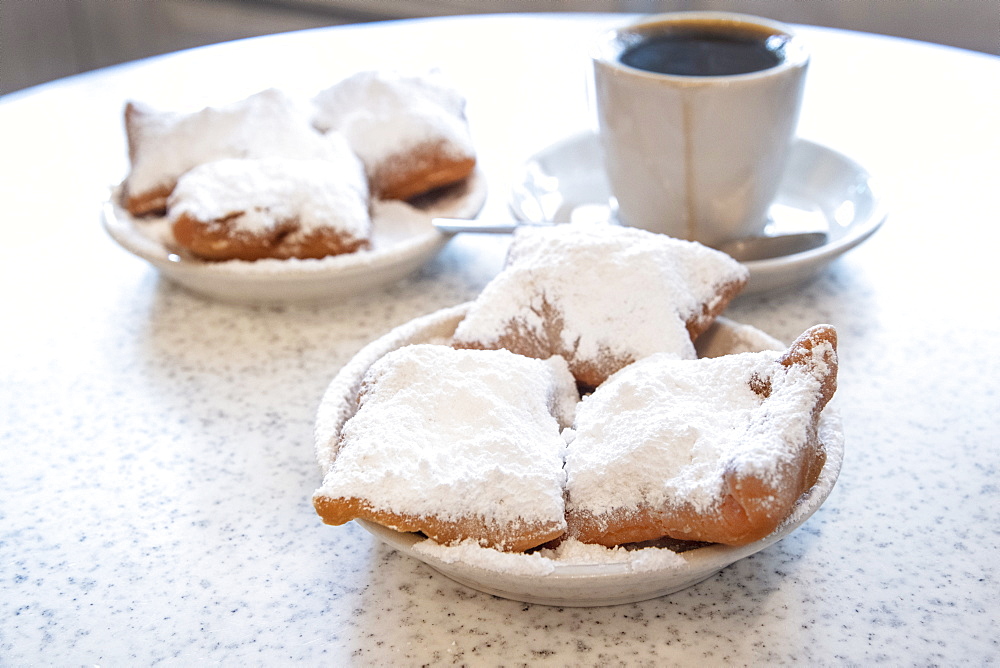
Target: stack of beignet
661, 445
271, 177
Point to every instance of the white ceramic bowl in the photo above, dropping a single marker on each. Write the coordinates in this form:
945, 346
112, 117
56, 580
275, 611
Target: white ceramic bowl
403, 240
632, 576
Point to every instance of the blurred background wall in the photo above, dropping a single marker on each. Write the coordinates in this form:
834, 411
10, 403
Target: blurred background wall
42, 40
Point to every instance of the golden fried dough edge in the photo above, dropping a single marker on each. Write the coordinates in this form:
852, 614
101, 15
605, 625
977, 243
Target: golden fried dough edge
749, 511
699, 323
420, 170
517, 536
215, 241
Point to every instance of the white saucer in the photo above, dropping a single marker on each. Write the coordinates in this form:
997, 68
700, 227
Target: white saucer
822, 191
403, 240
619, 577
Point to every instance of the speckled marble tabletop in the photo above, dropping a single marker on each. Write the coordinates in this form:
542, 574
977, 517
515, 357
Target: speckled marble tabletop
157, 457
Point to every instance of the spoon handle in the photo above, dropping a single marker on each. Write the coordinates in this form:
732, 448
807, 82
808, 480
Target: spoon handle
458, 225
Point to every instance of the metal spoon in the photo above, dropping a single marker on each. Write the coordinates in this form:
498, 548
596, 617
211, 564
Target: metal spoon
459, 225
749, 249
752, 249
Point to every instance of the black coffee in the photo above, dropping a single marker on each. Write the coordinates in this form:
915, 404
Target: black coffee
699, 51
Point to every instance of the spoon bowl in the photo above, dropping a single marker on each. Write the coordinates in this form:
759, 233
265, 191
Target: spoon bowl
752, 249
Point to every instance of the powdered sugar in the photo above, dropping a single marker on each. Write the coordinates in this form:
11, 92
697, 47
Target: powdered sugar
255, 195
455, 434
384, 113
471, 553
620, 291
164, 144
663, 430
543, 562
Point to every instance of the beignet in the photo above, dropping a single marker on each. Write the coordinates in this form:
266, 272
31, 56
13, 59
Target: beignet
410, 131
601, 296
714, 450
272, 208
163, 145
458, 444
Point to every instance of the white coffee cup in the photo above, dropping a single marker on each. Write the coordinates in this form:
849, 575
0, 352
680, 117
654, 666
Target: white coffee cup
698, 156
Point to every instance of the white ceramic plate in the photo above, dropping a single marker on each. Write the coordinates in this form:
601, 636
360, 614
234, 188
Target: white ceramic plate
628, 577
403, 240
822, 191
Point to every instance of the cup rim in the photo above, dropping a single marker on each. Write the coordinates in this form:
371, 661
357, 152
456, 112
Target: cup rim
611, 44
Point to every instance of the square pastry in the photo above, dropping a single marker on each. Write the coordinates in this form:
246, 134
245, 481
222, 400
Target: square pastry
602, 296
715, 450
458, 444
